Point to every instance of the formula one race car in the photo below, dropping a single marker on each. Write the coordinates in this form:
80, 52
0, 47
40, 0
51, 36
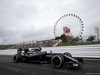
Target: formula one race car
56, 59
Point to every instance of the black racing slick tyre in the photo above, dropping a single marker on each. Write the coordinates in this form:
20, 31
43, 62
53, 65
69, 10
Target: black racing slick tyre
16, 58
57, 61
68, 54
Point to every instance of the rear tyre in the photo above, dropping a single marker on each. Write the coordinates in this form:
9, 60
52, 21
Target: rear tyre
57, 61
16, 58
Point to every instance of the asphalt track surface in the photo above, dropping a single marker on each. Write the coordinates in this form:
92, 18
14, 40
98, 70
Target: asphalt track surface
8, 67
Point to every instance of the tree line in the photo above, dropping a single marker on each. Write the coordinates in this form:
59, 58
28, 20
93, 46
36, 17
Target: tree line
65, 38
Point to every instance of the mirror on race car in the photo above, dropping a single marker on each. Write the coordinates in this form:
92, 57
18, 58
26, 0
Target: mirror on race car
22, 53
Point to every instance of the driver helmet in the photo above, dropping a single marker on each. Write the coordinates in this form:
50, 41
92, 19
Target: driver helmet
40, 47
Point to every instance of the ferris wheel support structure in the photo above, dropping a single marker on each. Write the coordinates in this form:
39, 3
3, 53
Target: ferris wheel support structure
66, 30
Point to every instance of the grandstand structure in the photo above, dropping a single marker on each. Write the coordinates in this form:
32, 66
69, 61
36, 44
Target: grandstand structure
31, 44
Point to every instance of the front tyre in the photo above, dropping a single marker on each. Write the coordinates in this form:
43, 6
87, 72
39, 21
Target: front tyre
57, 61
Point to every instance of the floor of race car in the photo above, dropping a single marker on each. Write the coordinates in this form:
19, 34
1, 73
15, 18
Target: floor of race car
8, 67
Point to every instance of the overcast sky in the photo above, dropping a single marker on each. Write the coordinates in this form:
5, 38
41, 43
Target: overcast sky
25, 20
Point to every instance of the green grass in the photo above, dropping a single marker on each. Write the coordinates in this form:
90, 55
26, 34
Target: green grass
6, 47
75, 44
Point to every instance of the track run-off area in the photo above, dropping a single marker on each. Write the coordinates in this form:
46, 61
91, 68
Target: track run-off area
91, 51
90, 54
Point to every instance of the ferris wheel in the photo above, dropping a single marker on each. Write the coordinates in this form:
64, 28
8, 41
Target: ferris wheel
70, 25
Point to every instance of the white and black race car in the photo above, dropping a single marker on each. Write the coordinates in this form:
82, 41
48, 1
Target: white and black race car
56, 59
